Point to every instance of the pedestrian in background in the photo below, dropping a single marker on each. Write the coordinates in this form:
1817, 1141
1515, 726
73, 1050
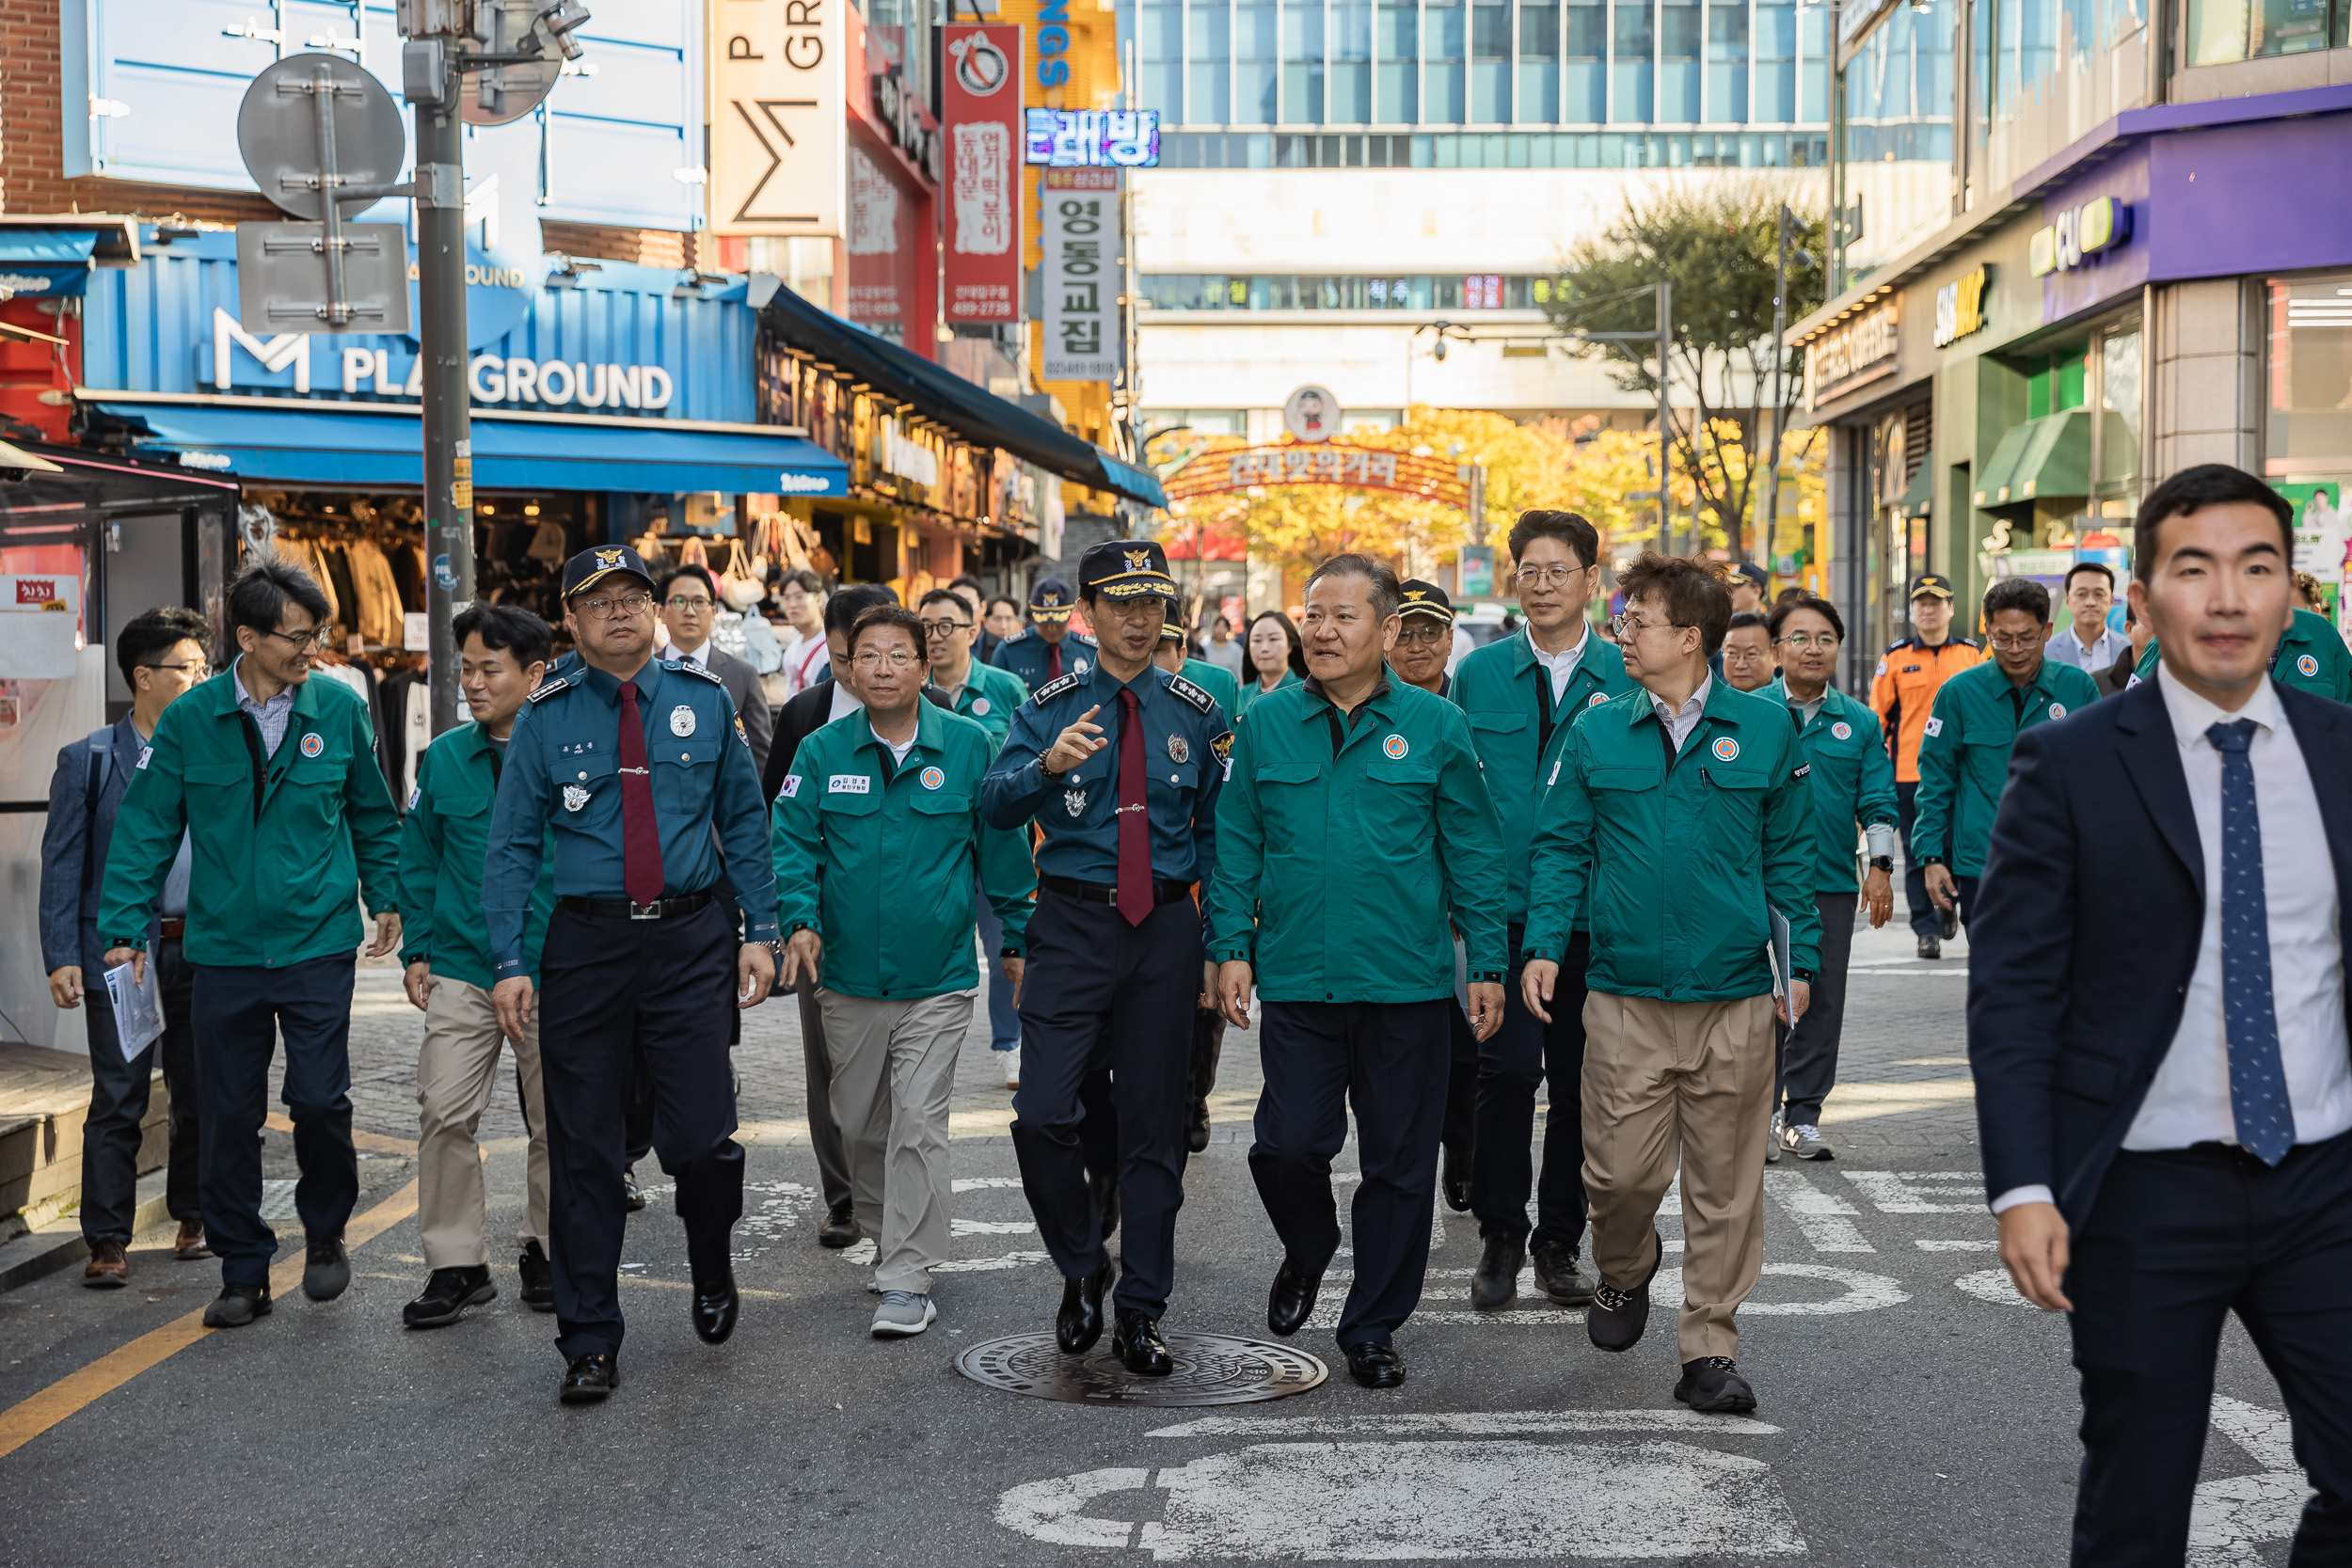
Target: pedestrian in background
1355, 823
503, 656
1224, 649
2087, 642
1276, 658
1979, 714
639, 765
1046, 649
2116, 676
1902, 694
1747, 582
272, 778
2309, 595
1682, 816
161, 655
1208, 1023
1853, 786
807, 657
690, 612
1002, 622
1521, 694
1748, 651
974, 599
877, 833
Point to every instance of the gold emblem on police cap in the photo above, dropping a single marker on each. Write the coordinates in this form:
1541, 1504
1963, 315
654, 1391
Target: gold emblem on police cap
609, 558
1137, 561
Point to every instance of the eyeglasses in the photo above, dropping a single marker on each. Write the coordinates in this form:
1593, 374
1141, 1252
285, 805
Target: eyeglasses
198, 670
1801, 641
942, 628
1429, 636
1546, 576
1742, 656
678, 602
627, 604
1626, 625
897, 659
2015, 644
306, 641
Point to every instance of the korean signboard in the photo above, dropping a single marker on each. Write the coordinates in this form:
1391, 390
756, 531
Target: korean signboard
1854, 352
982, 99
1092, 138
778, 119
1081, 273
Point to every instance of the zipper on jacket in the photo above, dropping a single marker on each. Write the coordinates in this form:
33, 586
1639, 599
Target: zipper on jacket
261, 765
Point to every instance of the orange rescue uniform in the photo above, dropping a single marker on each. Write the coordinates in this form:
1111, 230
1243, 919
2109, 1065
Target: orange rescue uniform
1904, 691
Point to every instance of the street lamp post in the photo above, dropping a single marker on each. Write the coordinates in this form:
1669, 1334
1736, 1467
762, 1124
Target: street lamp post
1769, 514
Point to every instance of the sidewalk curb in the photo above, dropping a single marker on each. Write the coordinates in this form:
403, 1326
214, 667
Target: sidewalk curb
58, 1245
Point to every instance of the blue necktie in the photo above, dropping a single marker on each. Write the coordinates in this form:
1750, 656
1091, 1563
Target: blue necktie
2258, 1082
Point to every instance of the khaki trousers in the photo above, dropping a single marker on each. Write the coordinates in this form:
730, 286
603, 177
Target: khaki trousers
456, 1072
893, 1074
1687, 1083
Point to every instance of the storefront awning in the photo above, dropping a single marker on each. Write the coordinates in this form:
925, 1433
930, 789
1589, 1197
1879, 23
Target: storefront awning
2038, 459
315, 443
1916, 500
938, 394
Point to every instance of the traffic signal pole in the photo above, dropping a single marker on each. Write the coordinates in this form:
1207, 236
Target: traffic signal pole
448, 417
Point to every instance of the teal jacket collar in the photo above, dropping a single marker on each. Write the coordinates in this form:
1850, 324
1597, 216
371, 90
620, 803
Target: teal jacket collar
1835, 704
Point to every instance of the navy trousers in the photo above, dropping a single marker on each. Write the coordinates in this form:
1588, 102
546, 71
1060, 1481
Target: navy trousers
118, 1094
2177, 1241
612, 989
1809, 1053
1926, 919
1521, 1054
1388, 1060
1461, 1136
240, 1013
1099, 993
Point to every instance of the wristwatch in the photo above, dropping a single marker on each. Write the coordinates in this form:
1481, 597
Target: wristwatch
1010, 953
1883, 863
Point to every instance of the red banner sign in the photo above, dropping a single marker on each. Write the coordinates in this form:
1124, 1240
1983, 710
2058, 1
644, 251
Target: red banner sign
982, 97
1221, 473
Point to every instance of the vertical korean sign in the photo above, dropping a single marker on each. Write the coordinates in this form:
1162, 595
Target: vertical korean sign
1081, 273
980, 95
778, 120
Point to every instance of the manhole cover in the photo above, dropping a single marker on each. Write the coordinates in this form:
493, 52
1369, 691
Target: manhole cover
1211, 1369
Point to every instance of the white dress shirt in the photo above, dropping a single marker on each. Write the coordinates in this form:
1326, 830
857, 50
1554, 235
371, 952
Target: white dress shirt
2188, 1102
2066, 648
1680, 722
898, 753
843, 703
1561, 665
699, 658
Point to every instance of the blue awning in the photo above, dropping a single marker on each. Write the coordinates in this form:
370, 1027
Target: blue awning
45, 263
344, 447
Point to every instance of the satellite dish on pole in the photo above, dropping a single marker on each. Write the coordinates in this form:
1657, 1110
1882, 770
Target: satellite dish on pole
280, 125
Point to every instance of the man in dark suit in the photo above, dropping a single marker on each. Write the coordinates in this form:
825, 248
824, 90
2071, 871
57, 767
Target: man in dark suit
2166, 1102
689, 610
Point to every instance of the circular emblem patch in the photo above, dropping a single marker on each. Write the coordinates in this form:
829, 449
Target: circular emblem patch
2058, 710
681, 721
1725, 749
576, 799
1396, 747
314, 744
2307, 666
1842, 730
979, 707
1596, 699
931, 778
1178, 749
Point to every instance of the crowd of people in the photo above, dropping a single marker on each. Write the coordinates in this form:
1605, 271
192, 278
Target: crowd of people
1628, 865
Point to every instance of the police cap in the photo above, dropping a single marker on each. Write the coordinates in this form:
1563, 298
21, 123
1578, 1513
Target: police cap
1933, 585
1126, 569
1424, 598
1051, 600
599, 562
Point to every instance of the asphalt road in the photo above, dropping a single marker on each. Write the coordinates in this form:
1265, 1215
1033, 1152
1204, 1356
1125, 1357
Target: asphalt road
1912, 1412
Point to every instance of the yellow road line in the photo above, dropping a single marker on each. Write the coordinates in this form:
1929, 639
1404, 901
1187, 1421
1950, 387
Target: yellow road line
374, 1143
28, 1419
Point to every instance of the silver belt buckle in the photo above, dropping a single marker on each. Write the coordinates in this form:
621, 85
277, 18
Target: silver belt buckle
644, 911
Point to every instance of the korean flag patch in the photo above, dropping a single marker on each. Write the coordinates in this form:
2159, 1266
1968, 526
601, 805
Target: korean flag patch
1935, 727
791, 790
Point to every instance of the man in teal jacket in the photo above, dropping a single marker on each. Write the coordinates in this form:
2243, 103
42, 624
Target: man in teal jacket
503, 656
1520, 695
1682, 820
273, 777
1354, 825
1208, 1023
2311, 656
1963, 752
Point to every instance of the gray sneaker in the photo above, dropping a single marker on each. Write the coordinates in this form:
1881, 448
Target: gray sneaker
1806, 1142
901, 1313
1772, 1144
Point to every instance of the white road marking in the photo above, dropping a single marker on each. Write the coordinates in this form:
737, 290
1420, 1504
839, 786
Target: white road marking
1987, 1244
1820, 1218
992, 1227
985, 1183
987, 1265
1359, 1501
1473, 1423
1993, 1285
2233, 1516
1864, 1292
1895, 1191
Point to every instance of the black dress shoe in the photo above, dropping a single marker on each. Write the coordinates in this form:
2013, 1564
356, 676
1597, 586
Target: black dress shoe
1079, 1322
589, 1379
631, 1193
1456, 1180
1376, 1364
1929, 946
1496, 1283
840, 1226
1293, 1298
447, 1294
1615, 1319
1196, 1134
325, 1269
715, 1306
1713, 1384
1558, 1274
1948, 921
1106, 1200
539, 1291
1141, 1349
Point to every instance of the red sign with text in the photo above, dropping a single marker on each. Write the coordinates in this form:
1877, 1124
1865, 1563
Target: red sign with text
982, 97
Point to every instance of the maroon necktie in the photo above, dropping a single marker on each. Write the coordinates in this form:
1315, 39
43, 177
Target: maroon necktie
1053, 661
1135, 827
641, 835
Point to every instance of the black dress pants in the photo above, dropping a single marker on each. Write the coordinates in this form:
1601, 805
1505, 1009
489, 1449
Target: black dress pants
1926, 919
1809, 1053
2176, 1242
118, 1097
1388, 1061
1522, 1053
610, 988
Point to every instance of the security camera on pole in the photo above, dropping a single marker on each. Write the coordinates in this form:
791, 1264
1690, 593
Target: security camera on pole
481, 62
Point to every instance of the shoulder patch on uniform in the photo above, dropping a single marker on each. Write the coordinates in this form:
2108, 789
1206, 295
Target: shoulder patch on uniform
1802, 771
685, 668
1191, 693
1934, 728
1054, 688
1222, 748
550, 688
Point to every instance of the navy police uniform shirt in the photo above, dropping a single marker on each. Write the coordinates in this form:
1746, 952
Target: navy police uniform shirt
1027, 655
1185, 742
562, 766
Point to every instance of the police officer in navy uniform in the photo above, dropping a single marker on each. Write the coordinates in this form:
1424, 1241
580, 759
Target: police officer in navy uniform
1046, 649
644, 771
1119, 765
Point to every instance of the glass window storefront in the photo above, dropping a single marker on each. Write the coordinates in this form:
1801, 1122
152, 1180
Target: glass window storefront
2220, 31
2310, 375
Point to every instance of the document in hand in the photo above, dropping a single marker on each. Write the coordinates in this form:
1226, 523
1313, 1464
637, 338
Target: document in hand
138, 1006
1783, 979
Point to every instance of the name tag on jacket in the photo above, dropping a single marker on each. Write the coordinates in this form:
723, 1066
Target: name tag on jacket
848, 784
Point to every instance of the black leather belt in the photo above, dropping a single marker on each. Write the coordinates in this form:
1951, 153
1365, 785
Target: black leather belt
621, 909
173, 929
1105, 892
